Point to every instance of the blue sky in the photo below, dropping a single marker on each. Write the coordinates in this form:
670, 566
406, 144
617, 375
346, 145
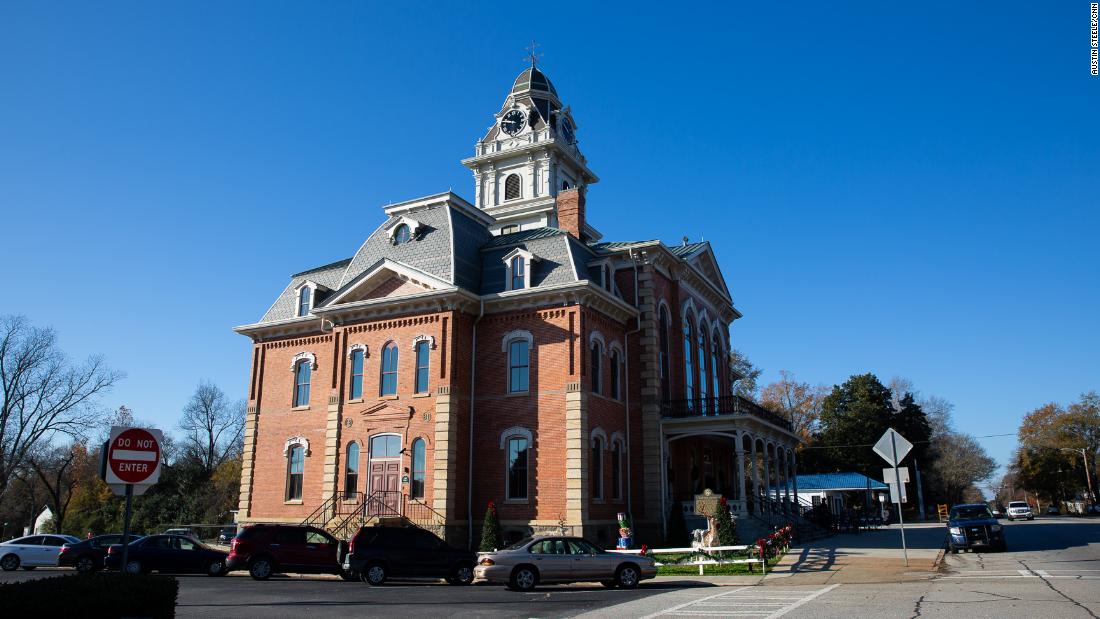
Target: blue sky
906, 189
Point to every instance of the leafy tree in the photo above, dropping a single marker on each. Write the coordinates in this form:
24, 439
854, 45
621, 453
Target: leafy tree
1053, 440
745, 386
797, 401
491, 538
960, 463
61, 469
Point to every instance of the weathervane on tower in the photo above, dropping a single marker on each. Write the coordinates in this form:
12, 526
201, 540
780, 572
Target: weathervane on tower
531, 56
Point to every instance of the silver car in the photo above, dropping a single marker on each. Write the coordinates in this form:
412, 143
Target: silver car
1019, 509
555, 559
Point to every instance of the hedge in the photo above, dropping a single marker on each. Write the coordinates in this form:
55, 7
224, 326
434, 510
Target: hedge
98, 595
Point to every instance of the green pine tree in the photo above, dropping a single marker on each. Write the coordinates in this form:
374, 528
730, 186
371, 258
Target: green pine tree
490, 531
677, 536
727, 528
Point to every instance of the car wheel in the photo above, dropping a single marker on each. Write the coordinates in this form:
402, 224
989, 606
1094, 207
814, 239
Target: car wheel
135, 567
9, 563
260, 569
524, 578
85, 565
375, 575
462, 575
216, 568
627, 576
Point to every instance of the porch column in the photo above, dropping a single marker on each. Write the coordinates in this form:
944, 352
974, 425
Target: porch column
787, 480
755, 477
739, 452
767, 471
794, 479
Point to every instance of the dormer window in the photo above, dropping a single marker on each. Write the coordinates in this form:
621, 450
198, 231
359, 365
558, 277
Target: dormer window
517, 265
401, 234
404, 230
305, 297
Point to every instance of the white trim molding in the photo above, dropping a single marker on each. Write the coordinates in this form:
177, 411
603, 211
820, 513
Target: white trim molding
313, 287
430, 339
358, 346
295, 440
617, 439
518, 334
302, 356
615, 347
688, 305
598, 433
528, 258
516, 432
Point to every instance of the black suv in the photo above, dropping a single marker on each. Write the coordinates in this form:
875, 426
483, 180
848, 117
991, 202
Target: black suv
264, 549
378, 553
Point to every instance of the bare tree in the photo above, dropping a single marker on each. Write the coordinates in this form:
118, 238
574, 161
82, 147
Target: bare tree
960, 464
44, 394
797, 401
213, 426
60, 470
936, 409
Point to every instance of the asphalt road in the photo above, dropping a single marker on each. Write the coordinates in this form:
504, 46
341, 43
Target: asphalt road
1052, 569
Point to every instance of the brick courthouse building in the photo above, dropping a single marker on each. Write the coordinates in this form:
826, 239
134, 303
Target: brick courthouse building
502, 351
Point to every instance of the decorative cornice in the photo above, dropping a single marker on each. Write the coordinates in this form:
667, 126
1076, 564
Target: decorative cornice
302, 356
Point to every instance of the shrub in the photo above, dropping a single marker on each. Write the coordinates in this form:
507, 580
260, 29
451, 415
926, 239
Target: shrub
99, 595
490, 531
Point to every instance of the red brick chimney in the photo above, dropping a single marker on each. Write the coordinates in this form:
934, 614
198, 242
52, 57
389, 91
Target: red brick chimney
570, 206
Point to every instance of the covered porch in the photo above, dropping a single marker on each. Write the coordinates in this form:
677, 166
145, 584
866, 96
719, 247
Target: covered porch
733, 447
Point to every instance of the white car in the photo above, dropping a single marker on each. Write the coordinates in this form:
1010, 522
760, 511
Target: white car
33, 551
1019, 509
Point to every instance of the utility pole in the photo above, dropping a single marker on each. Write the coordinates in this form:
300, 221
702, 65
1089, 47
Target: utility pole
1088, 476
920, 492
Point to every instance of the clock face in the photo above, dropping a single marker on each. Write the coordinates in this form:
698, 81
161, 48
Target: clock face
565, 128
513, 121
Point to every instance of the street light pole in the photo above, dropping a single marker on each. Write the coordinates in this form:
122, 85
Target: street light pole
1088, 476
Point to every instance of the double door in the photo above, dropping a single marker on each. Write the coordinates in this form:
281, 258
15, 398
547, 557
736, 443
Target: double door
385, 487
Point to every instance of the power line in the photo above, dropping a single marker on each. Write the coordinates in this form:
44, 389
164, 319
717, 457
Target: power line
914, 442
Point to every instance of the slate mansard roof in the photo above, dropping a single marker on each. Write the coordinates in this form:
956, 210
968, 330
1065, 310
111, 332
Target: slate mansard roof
453, 247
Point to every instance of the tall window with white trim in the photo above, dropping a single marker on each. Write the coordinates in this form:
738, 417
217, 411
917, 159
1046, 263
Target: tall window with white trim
516, 488
689, 367
663, 337
594, 367
351, 470
616, 470
596, 466
388, 378
295, 470
702, 359
416, 487
305, 296
519, 366
302, 371
423, 349
356, 389
613, 368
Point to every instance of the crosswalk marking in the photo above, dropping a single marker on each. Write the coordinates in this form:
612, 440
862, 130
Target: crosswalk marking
744, 602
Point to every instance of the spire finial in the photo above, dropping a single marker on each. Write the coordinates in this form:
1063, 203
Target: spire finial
532, 56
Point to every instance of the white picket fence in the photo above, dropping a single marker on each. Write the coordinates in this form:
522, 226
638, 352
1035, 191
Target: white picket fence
704, 550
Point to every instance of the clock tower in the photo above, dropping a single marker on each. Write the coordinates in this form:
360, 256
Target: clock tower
528, 156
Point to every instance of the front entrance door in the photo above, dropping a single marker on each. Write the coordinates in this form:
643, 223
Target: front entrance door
385, 487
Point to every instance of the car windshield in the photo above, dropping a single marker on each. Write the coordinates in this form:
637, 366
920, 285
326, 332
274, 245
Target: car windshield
520, 544
971, 512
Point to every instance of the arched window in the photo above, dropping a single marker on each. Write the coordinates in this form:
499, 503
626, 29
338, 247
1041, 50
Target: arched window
422, 349
302, 372
596, 467
385, 446
689, 367
701, 359
616, 470
613, 367
388, 379
518, 273
511, 187
304, 297
401, 234
716, 363
516, 488
357, 357
351, 470
416, 488
666, 382
295, 469
564, 185
519, 362
595, 367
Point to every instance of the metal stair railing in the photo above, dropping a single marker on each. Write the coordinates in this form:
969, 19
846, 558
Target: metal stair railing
385, 504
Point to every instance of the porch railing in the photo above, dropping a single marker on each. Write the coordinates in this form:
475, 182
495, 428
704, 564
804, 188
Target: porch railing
722, 405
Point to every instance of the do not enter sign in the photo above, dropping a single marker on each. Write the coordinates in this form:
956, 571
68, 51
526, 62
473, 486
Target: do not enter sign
133, 456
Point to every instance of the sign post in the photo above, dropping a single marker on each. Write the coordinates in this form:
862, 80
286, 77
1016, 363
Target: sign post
893, 448
132, 460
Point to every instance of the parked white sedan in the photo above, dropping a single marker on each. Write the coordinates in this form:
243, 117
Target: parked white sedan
33, 551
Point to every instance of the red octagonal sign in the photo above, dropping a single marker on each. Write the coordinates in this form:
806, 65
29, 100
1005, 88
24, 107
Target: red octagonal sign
133, 456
